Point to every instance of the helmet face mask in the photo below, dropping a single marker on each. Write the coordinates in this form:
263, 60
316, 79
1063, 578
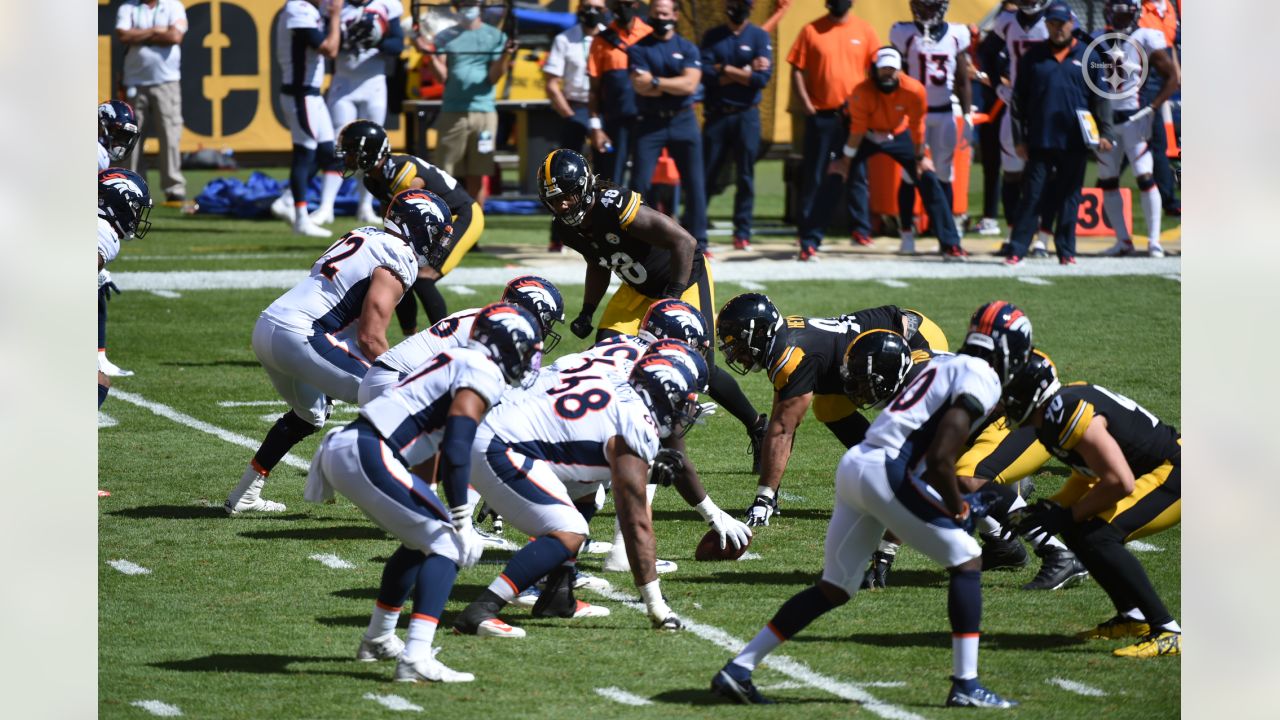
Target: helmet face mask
929, 13
746, 327
125, 202
117, 128
666, 386
421, 219
875, 365
566, 186
361, 145
1122, 15
1030, 388
1031, 7
542, 300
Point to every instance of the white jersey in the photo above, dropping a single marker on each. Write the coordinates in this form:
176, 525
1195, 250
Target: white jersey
108, 242
907, 426
569, 425
1151, 41
932, 59
451, 332
411, 416
360, 65
1018, 39
332, 296
300, 64
104, 158
613, 356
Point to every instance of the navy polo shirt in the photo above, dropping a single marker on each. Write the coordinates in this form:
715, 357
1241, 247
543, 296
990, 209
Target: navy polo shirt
664, 59
721, 47
1047, 96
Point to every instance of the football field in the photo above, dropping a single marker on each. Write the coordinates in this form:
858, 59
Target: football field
252, 617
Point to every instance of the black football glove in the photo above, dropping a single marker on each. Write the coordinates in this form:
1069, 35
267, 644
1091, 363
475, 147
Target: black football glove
107, 289
667, 466
581, 325
1042, 516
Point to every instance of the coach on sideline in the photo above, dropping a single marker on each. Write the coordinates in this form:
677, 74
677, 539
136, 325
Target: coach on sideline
1048, 100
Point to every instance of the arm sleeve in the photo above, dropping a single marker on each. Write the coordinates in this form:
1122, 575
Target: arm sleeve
799, 51
637, 59
554, 65
455, 458
764, 49
393, 42
859, 111
124, 17
710, 75
915, 115
179, 16
313, 37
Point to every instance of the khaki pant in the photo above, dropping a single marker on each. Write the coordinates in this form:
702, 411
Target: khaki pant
159, 109
458, 145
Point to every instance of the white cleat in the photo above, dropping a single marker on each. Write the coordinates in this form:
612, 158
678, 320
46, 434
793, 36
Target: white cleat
309, 229
322, 217
387, 647
597, 547
495, 627
429, 670
1040, 246
1153, 250
586, 610
590, 582
988, 226
282, 207
110, 369
252, 501
528, 598
367, 216
908, 244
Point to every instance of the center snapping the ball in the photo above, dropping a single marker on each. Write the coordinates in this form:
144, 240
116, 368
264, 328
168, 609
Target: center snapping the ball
709, 548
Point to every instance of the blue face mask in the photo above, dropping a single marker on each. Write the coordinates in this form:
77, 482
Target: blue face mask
470, 13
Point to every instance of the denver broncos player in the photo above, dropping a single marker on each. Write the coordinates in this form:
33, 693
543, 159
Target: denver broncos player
124, 209
363, 147
803, 357
649, 252
315, 341
1126, 484
117, 132
902, 477
434, 411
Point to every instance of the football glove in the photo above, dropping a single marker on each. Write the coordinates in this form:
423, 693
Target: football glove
761, 510
729, 529
581, 325
472, 547
106, 286
1042, 516
461, 517
667, 466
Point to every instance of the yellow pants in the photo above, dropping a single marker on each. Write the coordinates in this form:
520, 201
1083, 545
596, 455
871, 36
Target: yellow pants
1154, 505
1001, 455
627, 307
463, 244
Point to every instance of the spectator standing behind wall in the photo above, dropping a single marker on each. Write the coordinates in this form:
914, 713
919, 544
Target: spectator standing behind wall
613, 101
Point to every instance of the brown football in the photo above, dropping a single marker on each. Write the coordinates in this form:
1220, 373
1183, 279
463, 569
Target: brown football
709, 548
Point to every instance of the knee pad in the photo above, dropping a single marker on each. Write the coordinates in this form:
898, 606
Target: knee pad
297, 427
1109, 183
1146, 182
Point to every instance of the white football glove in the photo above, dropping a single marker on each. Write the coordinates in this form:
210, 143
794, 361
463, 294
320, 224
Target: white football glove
461, 516
1141, 115
104, 277
472, 547
705, 410
730, 530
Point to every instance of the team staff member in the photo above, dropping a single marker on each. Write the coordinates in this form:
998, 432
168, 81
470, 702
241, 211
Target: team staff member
886, 115
830, 57
1049, 93
612, 102
363, 147
803, 357
666, 71
1126, 484
737, 62
653, 256
1162, 15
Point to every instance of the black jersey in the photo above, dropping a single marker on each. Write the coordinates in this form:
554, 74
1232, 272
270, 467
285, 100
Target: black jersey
398, 171
1145, 440
604, 238
807, 353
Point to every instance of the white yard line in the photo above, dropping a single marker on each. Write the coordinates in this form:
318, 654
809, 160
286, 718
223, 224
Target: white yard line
393, 702
1033, 280
752, 286
1139, 546
277, 403
793, 669
155, 707
128, 568
167, 294
169, 413
750, 556
1176, 277
890, 282
1077, 688
619, 695
570, 273
460, 289
105, 420
331, 561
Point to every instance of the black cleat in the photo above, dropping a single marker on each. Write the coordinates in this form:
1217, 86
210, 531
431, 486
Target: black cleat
733, 682
877, 576
756, 433
1060, 569
998, 554
556, 599
969, 693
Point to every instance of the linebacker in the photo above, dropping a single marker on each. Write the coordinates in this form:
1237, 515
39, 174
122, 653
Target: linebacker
1126, 484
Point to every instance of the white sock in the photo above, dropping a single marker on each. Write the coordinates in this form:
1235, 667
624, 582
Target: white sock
503, 588
649, 490
760, 646
366, 200
1134, 614
1113, 209
331, 183
251, 474
766, 491
1152, 210
964, 656
889, 548
382, 622
300, 215
989, 526
422, 632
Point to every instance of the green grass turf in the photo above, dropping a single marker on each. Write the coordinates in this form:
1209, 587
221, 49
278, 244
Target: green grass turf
236, 622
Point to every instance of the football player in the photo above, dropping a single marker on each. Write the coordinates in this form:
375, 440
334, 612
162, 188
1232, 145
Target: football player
363, 147
371, 34
935, 53
117, 132
902, 476
1021, 30
803, 357
649, 252
1134, 123
124, 212
1126, 484
535, 294
434, 411
315, 341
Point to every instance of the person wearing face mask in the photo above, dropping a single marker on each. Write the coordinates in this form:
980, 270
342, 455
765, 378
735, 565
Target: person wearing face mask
612, 104
666, 70
469, 58
829, 58
567, 82
886, 115
737, 62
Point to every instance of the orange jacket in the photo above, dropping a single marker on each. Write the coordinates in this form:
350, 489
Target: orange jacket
1168, 24
896, 112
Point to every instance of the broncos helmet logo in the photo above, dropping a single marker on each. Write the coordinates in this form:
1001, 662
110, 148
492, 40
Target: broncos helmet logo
122, 183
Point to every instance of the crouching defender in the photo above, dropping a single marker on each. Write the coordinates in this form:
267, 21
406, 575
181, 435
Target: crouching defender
436, 409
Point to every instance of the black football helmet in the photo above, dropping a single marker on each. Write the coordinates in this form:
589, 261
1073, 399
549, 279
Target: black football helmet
875, 365
361, 145
677, 319
1030, 388
1032, 7
1122, 15
124, 202
540, 297
746, 327
929, 13
566, 186
420, 218
509, 335
1000, 334
117, 128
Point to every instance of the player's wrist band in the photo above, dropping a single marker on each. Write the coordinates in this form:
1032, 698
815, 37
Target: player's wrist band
595, 124
850, 152
707, 508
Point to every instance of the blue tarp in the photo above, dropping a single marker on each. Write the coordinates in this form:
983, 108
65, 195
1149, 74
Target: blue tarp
252, 199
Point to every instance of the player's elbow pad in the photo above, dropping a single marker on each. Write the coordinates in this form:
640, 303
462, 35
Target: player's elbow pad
455, 457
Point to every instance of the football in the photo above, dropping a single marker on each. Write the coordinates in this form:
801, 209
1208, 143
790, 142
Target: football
709, 548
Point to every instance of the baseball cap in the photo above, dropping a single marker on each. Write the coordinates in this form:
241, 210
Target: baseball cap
1058, 11
888, 57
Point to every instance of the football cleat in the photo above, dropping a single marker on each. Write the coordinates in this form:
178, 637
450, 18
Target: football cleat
877, 575
808, 254
495, 627
1122, 248
481, 619
861, 239
110, 369
387, 647
1155, 250
670, 622
528, 598
761, 511
733, 682
955, 253
321, 217
429, 670
756, 435
998, 554
742, 243
589, 581
1117, 627
968, 693
586, 610
305, 227
908, 244
1013, 261
988, 226
556, 599
252, 501
1060, 569
367, 216
1160, 642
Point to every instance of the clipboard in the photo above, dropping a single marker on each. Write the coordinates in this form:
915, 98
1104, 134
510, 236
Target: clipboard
1088, 128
